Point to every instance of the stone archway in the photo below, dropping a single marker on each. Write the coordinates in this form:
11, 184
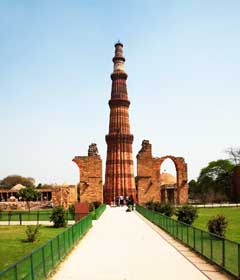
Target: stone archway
149, 178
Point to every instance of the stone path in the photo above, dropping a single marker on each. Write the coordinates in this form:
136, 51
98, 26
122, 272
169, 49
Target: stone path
121, 246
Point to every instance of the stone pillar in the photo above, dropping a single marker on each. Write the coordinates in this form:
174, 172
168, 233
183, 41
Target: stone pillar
119, 176
90, 168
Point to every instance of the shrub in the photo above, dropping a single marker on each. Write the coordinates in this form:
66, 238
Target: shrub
150, 205
91, 207
186, 214
58, 217
96, 204
71, 209
167, 209
218, 225
32, 232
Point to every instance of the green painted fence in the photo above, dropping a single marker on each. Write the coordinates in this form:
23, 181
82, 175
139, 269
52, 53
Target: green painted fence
98, 212
20, 216
223, 252
42, 260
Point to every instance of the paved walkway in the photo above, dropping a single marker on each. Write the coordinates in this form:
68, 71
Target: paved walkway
121, 246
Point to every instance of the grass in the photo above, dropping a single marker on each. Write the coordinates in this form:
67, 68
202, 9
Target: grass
13, 247
232, 214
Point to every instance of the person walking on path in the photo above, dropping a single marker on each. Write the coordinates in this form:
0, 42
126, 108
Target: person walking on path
121, 200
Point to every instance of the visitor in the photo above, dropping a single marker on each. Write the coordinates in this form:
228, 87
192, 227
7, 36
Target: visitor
118, 200
131, 201
121, 200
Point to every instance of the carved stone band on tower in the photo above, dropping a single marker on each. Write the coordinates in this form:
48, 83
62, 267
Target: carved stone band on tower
119, 177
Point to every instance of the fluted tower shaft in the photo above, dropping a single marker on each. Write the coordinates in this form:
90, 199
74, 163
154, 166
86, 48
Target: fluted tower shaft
119, 177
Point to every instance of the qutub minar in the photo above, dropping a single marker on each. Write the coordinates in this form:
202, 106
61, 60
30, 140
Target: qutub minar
119, 174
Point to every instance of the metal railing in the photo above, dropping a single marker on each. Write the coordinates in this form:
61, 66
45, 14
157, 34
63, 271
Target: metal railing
100, 210
34, 216
223, 252
42, 260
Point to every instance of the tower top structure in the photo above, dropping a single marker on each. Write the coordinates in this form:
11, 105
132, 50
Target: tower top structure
118, 59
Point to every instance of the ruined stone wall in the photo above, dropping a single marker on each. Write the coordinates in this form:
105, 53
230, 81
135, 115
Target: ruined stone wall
21, 205
64, 195
149, 180
90, 167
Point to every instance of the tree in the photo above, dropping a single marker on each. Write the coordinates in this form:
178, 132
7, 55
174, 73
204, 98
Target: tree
214, 182
12, 180
234, 154
28, 194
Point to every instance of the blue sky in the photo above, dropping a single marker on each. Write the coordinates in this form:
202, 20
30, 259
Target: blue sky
183, 62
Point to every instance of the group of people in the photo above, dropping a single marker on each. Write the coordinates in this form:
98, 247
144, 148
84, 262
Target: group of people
128, 200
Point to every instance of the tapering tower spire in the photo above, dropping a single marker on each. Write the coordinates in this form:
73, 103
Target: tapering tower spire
119, 177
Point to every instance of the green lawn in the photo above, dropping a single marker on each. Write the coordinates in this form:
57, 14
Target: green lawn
232, 214
13, 247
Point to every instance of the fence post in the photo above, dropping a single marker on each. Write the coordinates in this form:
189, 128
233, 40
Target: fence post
64, 241
177, 230
72, 235
52, 253
44, 263
182, 227
201, 241
32, 268
223, 252
58, 242
9, 218
37, 217
211, 247
16, 272
194, 239
239, 260
187, 235
20, 218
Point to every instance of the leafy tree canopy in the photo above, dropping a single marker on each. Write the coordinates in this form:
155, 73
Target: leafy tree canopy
28, 194
214, 181
12, 180
216, 169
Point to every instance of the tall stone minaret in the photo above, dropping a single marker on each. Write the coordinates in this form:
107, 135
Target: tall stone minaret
119, 177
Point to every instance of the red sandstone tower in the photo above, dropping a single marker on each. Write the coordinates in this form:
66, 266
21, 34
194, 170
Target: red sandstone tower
119, 177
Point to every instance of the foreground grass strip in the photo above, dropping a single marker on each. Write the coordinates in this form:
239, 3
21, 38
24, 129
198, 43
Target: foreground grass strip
232, 214
42, 260
13, 247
